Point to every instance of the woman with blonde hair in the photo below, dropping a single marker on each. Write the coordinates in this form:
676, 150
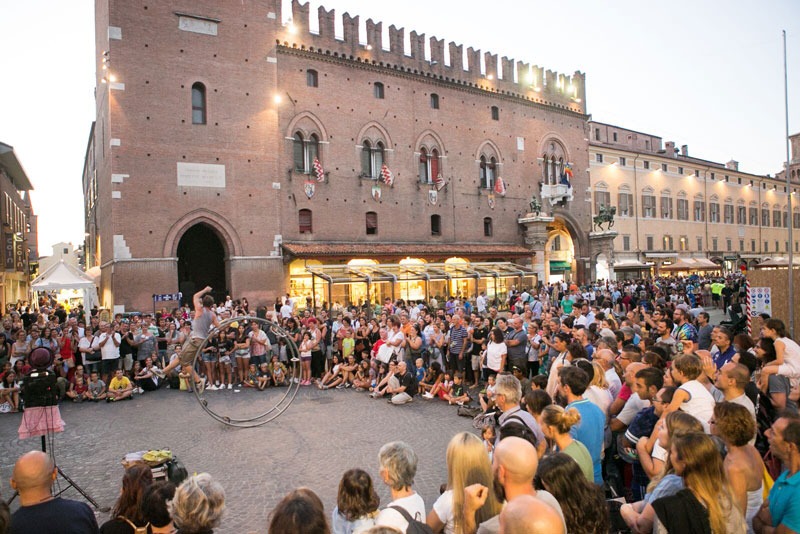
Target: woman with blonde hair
598, 392
556, 424
198, 505
707, 497
467, 463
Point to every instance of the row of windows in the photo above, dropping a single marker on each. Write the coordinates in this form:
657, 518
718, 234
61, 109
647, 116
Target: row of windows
668, 244
729, 215
306, 223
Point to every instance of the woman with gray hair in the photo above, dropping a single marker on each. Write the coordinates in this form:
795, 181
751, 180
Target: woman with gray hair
398, 467
198, 505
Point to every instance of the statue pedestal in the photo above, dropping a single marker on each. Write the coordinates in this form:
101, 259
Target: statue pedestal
536, 239
602, 243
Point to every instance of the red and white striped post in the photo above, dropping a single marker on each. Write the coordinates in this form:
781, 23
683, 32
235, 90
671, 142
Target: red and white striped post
747, 308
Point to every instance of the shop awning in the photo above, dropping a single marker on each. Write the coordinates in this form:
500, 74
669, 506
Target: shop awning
630, 266
370, 250
560, 265
393, 272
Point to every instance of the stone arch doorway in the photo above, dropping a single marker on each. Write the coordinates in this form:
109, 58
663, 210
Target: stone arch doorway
201, 262
559, 252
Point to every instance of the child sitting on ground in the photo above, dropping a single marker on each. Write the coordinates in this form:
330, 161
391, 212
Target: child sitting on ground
77, 389
487, 399
96, 390
264, 376
362, 379
251, 380
458, 394
278, 372
432, 379
333, 377
443, 386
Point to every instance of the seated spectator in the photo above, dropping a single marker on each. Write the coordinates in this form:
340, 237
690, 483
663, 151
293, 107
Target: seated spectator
348, 372
403, 387
333, 377
9, 392
487, 399
442, 387
299, 512
582, 502
781, 512
433, 376
706, 504
147, 379
40, 512
398, 467
787, 352
264, 376
736, 426
776, 388
96, 390
120, 387
458, 394
361, 379
467, 463
127, 514
356, 503
198, 505
691, 396
279, 372
155, 509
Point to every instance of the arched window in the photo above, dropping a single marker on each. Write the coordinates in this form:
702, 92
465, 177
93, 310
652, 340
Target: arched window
435, 102
198, 103
487, 172
306, 221
436, 225
495, 113
487, 226
371, 159
428, 165
305, 151
312, 78
378, 90
372, 223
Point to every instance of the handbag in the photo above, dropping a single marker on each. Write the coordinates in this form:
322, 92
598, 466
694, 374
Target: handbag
92, 356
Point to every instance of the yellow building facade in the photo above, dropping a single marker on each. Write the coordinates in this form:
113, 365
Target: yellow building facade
674, 210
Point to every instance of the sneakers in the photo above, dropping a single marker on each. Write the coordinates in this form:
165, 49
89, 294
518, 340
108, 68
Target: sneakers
297, 381
341, 386
230, 386
460, 403
212, 387
427, 395
348, 385
138, 391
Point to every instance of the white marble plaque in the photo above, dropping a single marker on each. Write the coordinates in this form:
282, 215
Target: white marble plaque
189, 24
201, 175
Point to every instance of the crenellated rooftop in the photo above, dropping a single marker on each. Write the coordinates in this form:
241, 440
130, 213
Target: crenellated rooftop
512, 78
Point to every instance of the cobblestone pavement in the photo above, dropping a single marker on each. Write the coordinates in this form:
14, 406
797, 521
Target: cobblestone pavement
312, 444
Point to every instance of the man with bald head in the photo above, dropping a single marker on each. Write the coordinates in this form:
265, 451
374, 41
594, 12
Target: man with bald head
528, 515
514, 465
634, 403
40, 512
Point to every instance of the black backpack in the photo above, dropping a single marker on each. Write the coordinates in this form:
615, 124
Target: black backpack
414, 526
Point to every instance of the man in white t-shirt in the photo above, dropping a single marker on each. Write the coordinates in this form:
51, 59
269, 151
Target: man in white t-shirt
514, 465
398, 467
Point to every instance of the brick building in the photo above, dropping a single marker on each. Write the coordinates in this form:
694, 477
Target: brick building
19, 229
211, 116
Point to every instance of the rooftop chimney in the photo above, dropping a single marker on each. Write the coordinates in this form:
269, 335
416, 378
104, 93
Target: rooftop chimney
685, 150
669, 146
732, 165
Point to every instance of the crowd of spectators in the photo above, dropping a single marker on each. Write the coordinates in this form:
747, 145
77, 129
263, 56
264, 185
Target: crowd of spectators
583, 397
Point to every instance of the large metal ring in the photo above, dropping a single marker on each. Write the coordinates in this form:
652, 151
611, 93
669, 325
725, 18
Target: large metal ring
283, 403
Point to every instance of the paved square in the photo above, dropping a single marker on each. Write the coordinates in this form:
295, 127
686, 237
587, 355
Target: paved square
312, 444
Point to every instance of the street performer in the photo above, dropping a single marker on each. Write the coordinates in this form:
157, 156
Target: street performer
204, 319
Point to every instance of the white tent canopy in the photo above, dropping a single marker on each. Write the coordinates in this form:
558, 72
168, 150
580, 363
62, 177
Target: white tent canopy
63, 276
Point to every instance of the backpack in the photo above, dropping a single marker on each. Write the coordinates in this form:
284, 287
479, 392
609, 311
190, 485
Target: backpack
136, 530
414, 526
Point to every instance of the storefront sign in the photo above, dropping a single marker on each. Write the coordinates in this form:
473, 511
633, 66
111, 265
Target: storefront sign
19, 256
8, 252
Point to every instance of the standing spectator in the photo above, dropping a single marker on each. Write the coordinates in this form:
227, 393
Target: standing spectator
198, 505
496, 352
398, 467
108, 341
583, 503
507, 397
127, 514
467, 463
517, 342
40, 512
154, 507
781, 511
685, 331
458, 344
556, 425
723, 350
704, 331
356, 503
574, 382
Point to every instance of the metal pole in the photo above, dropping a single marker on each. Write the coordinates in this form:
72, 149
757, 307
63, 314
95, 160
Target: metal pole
788, 191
